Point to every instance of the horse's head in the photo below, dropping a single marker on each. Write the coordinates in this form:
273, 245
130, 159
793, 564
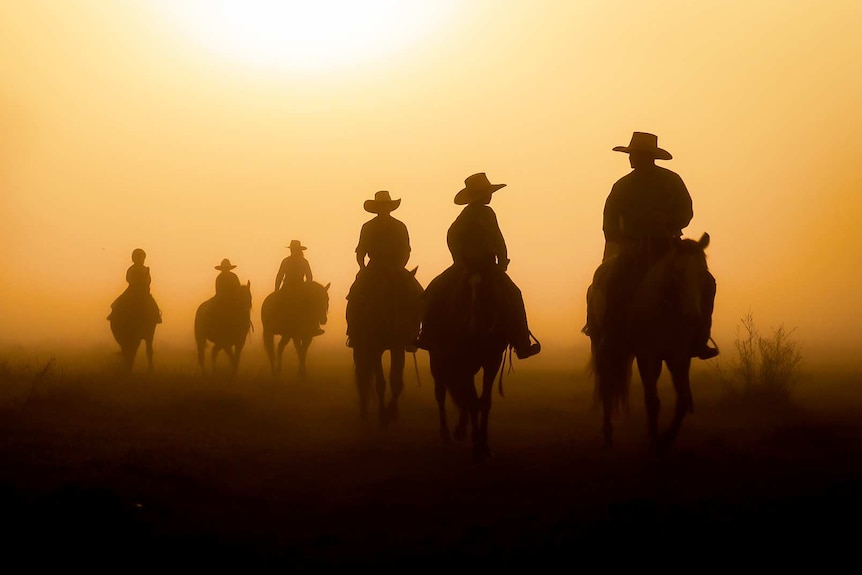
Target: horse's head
245, 296
319, 301
689, 270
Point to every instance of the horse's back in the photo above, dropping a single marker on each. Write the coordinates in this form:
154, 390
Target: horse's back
133, 321
283, 313
386, 308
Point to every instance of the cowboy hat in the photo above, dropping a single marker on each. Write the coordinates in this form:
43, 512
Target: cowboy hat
475, 187
644, 142
296, 245
381, 203
225, 265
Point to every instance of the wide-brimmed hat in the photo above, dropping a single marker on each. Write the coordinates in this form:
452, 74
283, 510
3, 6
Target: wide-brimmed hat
475, 187
644, 142
225, 265
382, 202
296, 245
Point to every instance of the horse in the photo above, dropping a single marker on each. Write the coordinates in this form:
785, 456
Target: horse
298, 320
383, 316
226, 327
134, 320
661, 322
468, 335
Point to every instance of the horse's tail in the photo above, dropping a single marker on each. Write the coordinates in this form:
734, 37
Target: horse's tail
612, 376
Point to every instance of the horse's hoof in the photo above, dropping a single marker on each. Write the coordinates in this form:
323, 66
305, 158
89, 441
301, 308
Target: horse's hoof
445, 437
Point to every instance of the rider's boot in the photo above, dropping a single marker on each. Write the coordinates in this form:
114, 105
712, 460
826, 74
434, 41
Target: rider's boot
701, 348
527, 348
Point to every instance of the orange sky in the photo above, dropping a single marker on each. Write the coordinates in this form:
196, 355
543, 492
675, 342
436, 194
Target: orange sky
123, 126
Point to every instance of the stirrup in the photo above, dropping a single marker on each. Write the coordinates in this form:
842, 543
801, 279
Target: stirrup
531, 350
707, 352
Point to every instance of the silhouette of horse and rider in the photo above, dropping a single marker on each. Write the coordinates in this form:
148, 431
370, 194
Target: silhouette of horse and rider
473, 312
224, 319
651, 301
383, 306
295, 310
652, 297
135, 314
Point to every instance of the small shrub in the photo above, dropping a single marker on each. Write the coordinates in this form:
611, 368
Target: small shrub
764, 365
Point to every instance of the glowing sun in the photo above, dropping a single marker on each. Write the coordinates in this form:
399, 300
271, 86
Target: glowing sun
306, 34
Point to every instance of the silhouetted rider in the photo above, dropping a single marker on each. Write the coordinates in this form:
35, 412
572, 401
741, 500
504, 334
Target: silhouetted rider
644, 216
385, 242
138, 290
477, 246
294, 275
294, 270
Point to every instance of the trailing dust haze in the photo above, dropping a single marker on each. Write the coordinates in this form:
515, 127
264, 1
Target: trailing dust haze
122, 128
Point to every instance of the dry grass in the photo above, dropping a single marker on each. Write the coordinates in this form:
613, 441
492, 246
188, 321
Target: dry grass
766, 368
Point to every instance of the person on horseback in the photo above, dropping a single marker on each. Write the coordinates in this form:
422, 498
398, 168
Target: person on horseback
385, 242
477, 246
227, 293
138, 291
644, 216
294, 270
294, 275
227, 283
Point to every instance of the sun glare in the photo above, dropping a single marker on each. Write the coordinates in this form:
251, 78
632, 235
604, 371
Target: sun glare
306, 34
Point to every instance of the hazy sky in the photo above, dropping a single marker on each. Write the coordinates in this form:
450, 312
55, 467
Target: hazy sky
204, 130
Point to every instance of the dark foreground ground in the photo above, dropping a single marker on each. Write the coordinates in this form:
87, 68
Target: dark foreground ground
177, 471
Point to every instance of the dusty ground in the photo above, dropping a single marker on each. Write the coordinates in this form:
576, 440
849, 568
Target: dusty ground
176, 470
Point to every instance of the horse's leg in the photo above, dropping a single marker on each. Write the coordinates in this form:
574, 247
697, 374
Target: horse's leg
236, 355
605, 376
481, 446
440, 396
301, 344
380, 384
396, 380
201, 344
679, 371
279, 356
213, 355
231, 356
466, 407
129, 352
149, 344
650, 370
362, 371
269, 346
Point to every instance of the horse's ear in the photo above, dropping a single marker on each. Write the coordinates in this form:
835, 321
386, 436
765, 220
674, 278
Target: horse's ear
413, 271
704, 240
326, 287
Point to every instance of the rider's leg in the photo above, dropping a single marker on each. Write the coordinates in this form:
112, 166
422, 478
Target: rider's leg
702, 348
516, 315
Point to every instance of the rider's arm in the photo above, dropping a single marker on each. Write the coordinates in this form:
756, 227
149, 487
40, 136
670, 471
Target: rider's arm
279, 277
308, 276
683, 212
612, 218
497, 240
